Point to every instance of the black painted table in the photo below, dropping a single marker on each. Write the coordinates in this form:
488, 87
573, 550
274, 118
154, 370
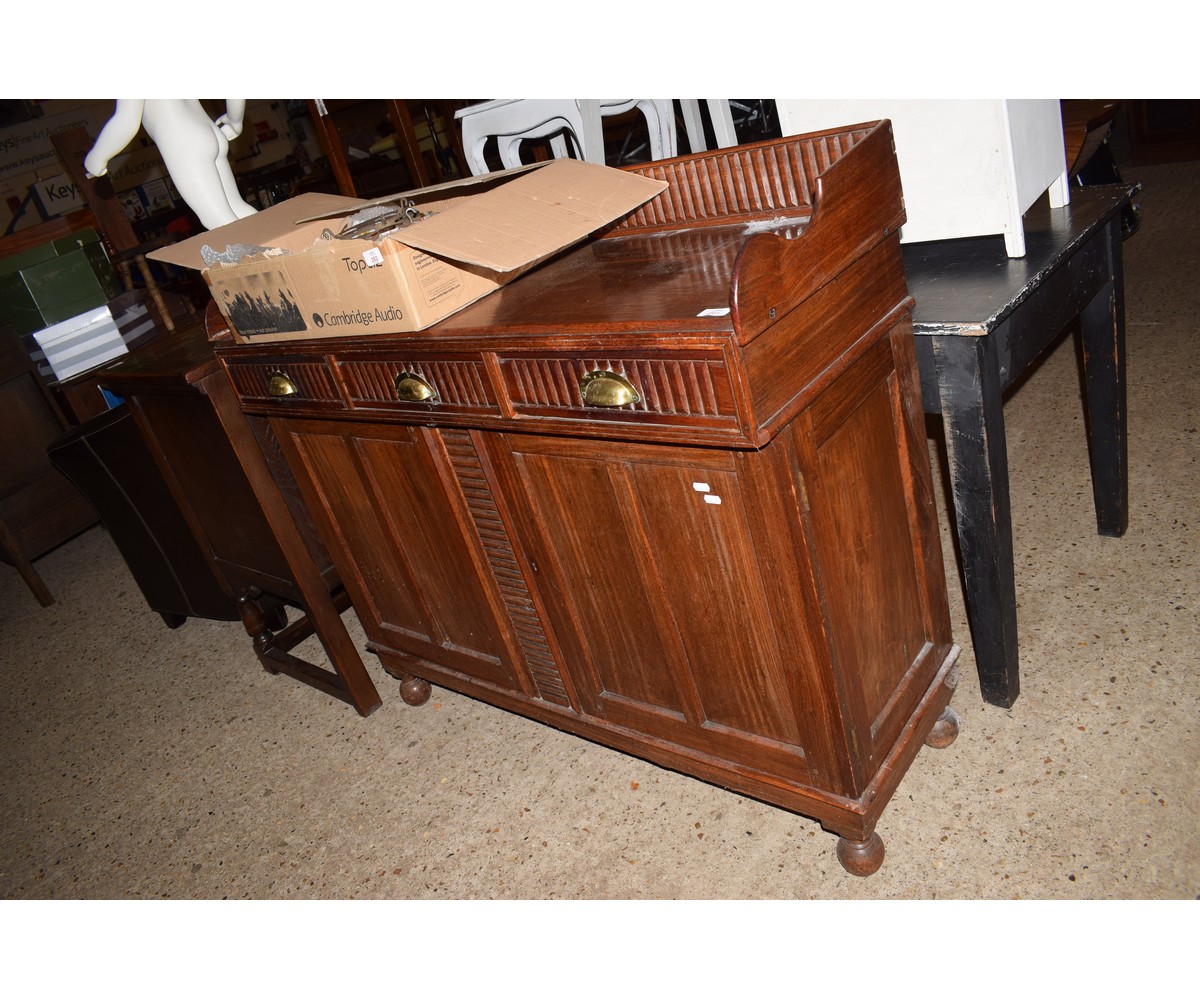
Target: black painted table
981, 320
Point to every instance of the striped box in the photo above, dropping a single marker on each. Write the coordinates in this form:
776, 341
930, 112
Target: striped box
81, 343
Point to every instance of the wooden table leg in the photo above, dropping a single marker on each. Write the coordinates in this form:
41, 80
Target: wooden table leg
972, 413
351, 680
1102, 324
14, 555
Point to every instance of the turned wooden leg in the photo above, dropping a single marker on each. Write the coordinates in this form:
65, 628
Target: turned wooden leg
126, 274
414, 690
155, 294
254, 620
944, 731
861, 857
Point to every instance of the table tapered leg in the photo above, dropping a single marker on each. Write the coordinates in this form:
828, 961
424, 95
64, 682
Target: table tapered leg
1102, 325
972, 413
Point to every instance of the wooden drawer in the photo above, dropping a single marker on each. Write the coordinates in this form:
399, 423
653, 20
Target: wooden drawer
683, 396
265, 383
401, 381
694, 390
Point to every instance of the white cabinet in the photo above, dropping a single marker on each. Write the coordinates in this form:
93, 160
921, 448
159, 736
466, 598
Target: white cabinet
968, 167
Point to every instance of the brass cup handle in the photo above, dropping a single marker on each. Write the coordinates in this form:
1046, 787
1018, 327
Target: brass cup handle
608, 389
411, 388
280, 385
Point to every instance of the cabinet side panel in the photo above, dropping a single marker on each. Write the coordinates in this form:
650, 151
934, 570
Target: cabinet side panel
868, 525
790, 363
862, 520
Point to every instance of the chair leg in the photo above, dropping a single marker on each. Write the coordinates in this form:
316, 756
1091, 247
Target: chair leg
510, 150
473, 151
560, 122
559, 146
660, 124
155, 293
558, 131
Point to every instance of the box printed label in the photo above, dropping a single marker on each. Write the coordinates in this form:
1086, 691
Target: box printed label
436, 278
266, 304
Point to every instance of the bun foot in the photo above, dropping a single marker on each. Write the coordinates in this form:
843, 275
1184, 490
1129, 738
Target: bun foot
944, 731
414, 690
861, 857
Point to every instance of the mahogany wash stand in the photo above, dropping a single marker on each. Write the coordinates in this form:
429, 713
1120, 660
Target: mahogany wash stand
669, 492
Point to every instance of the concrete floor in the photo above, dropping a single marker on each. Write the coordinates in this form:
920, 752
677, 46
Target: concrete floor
148, 763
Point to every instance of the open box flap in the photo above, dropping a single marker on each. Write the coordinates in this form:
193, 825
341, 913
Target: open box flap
276, 226
504, 227
532, 216
460, 187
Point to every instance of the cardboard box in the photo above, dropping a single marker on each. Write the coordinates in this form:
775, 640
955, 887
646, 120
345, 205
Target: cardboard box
81, 343
968, 167
53, 282
477, 234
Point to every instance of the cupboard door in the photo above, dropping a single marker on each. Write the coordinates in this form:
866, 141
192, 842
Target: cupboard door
667, 618
390, 506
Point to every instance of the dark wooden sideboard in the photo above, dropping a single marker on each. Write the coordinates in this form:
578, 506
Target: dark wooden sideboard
669, 492
239, 504
39, 508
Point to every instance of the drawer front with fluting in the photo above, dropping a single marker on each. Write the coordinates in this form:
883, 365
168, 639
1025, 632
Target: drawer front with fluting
678, 390
305, 382
442, 384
